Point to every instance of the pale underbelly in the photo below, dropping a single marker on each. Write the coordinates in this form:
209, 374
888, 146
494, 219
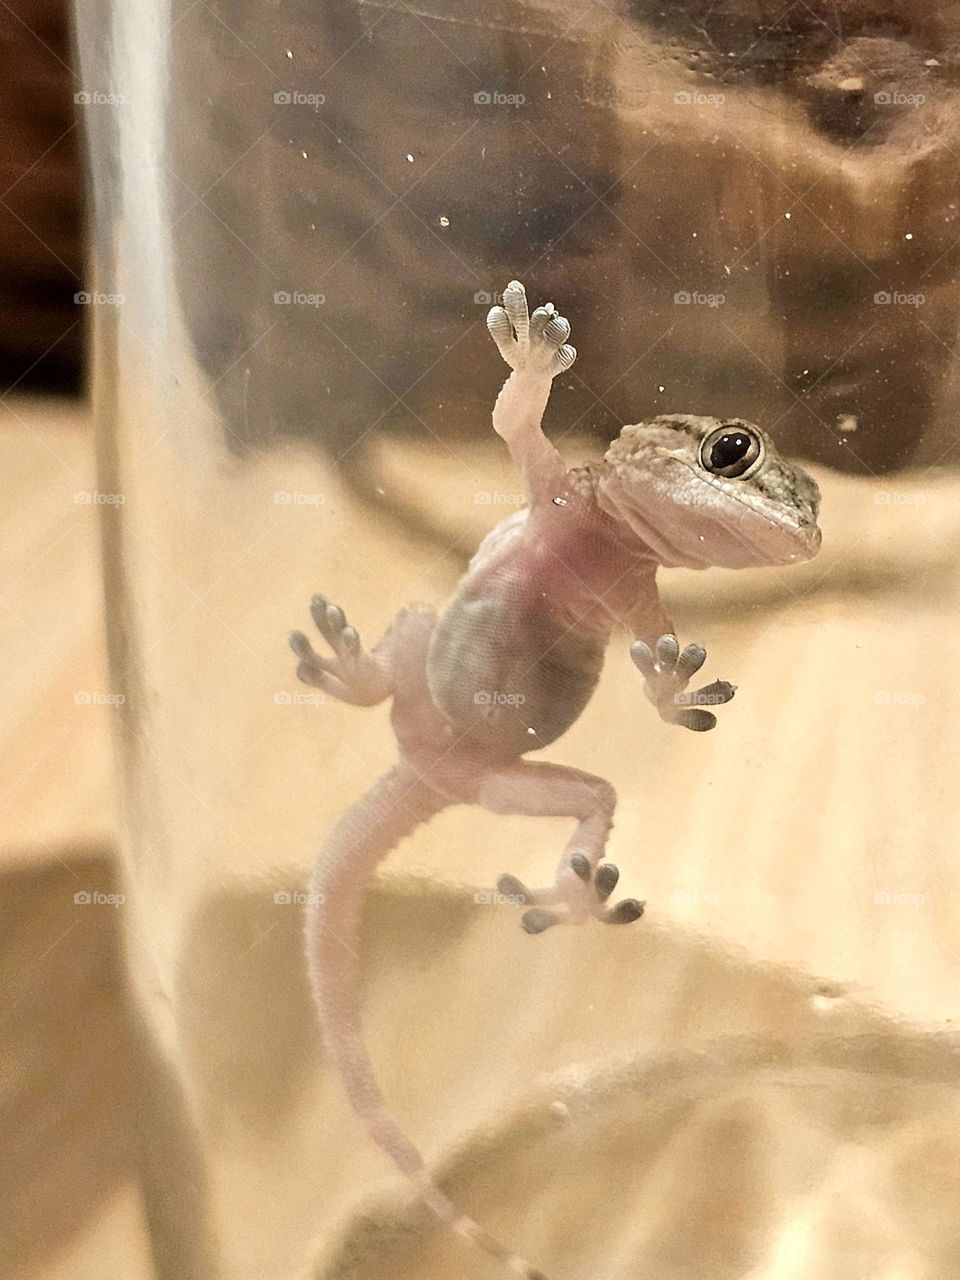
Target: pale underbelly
510, 675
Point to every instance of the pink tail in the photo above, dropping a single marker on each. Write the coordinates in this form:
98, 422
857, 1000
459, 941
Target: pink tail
393, 808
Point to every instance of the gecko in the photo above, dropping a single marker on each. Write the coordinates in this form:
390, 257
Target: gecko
512, 661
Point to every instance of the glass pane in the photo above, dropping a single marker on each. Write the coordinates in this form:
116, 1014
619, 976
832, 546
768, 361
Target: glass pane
303, 214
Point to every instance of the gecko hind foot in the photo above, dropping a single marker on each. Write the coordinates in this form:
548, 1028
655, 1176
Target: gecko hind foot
352, 675
603, 880
572, 901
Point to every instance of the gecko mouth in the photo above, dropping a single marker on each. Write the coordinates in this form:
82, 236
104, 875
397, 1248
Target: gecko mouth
801, 529
712, 524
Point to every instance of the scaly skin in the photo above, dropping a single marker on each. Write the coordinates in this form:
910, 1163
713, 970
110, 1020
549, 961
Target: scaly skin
514, 658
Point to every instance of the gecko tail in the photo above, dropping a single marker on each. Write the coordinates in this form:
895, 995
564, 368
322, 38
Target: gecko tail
391, 810
388, 1135
471, 1230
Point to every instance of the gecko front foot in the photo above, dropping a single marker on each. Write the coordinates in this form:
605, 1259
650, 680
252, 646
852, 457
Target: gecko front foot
576, 897
352, 675
667, 671
536, 344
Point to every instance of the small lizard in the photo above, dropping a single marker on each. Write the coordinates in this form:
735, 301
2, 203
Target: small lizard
512, 661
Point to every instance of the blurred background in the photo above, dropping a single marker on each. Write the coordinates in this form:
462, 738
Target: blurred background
64, 1045
42, 210
744, 207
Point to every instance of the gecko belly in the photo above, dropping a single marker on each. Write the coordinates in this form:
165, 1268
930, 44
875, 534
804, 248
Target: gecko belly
510, 674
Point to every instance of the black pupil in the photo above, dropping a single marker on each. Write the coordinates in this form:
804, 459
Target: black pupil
729, 450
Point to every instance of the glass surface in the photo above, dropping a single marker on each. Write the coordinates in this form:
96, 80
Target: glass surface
302, 215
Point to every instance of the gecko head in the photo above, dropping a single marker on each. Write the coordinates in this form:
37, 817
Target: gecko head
703, 491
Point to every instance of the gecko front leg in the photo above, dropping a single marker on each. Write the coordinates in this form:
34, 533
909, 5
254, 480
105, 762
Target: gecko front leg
536, 349
667, 671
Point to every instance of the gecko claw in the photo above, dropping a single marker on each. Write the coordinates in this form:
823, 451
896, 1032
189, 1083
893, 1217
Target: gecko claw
717, 692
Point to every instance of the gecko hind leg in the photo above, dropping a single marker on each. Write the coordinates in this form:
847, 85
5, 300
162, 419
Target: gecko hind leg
351, 675
584, 883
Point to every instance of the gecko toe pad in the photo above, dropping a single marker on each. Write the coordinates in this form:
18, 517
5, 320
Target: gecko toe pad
573, 899
537, 919
589, 897
513, 889
580, 866
605, 881
536, 343
625, 912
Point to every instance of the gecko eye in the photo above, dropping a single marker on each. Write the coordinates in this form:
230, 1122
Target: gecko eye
730, 451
